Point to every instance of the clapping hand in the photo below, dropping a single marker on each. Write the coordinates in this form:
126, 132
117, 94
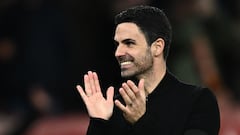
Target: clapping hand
135, 99
97, 105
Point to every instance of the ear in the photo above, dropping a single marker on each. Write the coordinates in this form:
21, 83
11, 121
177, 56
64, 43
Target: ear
157, 47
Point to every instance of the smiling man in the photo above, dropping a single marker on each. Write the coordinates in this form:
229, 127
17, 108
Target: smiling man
152, 100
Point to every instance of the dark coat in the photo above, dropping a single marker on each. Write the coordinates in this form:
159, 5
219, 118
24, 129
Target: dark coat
173, 108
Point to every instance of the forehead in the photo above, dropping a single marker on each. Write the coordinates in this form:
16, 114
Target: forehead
127, 30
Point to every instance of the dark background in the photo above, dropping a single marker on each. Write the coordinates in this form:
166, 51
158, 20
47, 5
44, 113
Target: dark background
46, 46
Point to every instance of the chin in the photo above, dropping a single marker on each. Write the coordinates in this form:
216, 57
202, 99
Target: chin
126, 74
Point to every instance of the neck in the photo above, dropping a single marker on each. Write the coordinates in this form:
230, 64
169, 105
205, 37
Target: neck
154, 77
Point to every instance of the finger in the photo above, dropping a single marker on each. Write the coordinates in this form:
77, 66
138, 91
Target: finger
81, 92
141, 87
96, 80
120, 106
129, 91
92, 82
125, 96
132, 86
87, 85
110, 93
141, 84
137, 90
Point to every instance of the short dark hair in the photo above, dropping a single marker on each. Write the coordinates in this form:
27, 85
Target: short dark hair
152, 21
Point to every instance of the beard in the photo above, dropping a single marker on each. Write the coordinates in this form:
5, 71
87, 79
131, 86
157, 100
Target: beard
140, 66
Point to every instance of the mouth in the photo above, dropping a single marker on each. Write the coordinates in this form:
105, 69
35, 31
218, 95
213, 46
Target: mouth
126, 64
125, 61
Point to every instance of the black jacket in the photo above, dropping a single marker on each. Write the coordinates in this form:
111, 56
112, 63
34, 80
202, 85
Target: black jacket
173, 108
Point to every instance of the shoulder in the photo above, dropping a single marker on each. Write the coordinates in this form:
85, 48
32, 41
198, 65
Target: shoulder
189, 90
198, 96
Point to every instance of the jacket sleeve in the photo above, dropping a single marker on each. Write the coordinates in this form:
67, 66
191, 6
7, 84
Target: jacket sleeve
97, 126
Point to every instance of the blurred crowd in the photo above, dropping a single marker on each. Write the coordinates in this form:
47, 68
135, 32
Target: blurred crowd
46, 46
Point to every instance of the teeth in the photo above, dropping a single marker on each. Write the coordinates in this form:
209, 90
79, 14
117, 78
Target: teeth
125, 63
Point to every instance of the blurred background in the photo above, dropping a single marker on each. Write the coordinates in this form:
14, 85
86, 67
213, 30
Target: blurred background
46, 46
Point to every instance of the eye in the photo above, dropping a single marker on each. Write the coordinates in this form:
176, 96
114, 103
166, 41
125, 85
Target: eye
129, 42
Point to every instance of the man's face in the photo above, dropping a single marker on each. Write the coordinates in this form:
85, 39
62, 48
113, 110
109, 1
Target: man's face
132, 52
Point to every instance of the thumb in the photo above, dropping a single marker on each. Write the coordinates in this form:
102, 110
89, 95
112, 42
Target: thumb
110, 93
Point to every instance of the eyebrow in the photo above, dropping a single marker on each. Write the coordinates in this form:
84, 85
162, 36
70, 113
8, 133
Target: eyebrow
125, 40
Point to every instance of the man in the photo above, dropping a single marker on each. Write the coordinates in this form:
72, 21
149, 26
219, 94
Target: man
157, 103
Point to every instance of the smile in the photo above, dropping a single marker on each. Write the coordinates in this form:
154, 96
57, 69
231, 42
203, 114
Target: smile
125, 63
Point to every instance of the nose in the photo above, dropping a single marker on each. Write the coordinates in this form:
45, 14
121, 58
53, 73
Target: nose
120, 50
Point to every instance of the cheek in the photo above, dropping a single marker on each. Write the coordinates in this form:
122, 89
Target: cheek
144, 58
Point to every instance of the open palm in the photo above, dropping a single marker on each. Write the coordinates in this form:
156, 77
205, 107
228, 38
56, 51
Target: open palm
97, 105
